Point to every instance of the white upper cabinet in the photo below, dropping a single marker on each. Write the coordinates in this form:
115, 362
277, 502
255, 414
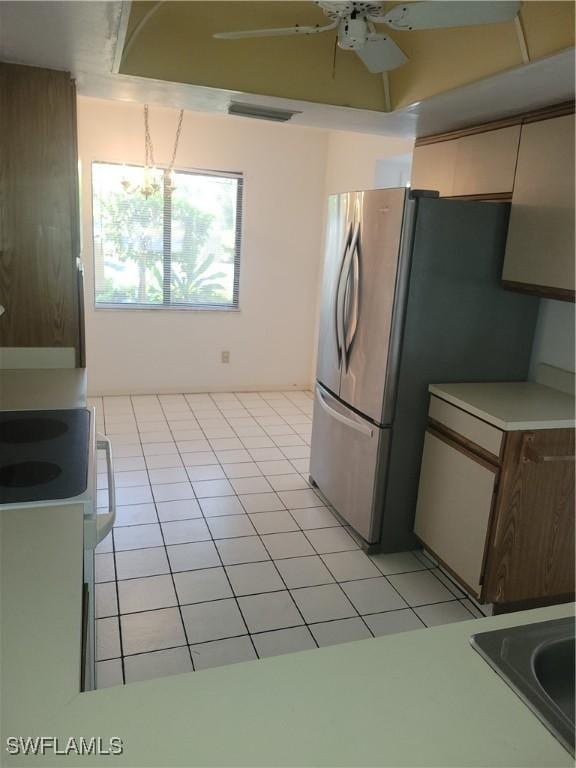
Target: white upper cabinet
485, 162
540, 247
433, 167
479, 164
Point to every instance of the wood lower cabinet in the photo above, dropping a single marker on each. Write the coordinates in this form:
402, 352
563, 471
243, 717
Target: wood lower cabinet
531, 547
501, 522
39, 220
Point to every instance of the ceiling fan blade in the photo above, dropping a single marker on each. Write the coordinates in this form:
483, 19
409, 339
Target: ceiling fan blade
278, 32
436, 14
380, 54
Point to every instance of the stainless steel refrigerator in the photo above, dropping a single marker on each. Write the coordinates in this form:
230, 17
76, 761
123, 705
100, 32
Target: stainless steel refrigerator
411, 296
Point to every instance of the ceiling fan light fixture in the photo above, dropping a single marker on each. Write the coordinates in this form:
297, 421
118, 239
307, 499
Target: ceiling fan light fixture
352, 34
241, 109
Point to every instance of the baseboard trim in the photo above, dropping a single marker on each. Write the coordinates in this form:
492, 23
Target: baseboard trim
201, 390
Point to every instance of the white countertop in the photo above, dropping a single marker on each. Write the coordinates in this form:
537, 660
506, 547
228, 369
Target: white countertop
42, 389
422, 698
511, 405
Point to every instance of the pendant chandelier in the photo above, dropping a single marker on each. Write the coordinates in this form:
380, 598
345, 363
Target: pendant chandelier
153, 177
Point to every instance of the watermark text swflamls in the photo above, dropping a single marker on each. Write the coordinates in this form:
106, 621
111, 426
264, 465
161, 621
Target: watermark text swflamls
44, 745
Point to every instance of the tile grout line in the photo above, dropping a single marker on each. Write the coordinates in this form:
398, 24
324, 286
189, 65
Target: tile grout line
266, 549
169, 420
170, 565
270, 592
358, 614
460, 599
267, 631
227, 579
288, 591
257, 562
403, 598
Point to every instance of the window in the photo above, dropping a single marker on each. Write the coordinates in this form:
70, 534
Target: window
180, 247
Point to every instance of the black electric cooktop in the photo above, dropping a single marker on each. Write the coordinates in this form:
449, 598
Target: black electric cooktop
43, 454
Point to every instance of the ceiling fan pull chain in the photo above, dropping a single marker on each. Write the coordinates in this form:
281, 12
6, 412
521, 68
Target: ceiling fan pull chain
334, 52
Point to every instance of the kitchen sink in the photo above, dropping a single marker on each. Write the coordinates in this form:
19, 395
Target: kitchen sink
537, 662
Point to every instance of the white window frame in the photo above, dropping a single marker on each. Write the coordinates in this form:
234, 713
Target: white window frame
166, 305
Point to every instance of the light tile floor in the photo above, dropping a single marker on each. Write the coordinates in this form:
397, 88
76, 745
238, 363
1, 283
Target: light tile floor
222, 552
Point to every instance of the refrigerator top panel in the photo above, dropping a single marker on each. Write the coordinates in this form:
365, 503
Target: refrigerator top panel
369, 300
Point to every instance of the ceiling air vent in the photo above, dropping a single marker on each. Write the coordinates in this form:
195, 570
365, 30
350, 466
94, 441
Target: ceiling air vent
261, 113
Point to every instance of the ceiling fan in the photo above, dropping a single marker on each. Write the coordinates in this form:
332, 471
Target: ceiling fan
355, 25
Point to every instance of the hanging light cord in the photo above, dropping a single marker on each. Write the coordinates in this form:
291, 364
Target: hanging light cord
177, 139
148, 148
150, 183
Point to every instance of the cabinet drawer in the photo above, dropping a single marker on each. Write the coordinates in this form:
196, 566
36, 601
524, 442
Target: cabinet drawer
453, 510
473, 429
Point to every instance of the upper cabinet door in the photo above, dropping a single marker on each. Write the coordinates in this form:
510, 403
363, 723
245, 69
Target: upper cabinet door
39, 223
433, 167
485, 162
479, 164
540, 247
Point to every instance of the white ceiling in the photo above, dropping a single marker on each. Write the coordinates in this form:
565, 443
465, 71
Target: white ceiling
85, 38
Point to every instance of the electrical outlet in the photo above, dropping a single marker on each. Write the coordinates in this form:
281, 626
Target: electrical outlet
225, 356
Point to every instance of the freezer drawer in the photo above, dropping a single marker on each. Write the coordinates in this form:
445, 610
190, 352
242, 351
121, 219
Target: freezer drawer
347, 452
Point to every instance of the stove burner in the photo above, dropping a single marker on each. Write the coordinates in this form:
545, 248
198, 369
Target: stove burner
28, 473
31, 430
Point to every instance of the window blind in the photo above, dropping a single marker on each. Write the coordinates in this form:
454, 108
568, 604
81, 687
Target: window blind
178, 247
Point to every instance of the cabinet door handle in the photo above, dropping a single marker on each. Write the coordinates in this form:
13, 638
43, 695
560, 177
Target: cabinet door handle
538, 458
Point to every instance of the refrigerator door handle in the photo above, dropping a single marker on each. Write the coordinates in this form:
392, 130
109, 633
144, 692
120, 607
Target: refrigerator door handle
338, 308
362, 428
353, 305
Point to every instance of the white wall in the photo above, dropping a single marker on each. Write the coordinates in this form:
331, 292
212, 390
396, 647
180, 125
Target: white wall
554, 337
272, 338
365, 161
289, 173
